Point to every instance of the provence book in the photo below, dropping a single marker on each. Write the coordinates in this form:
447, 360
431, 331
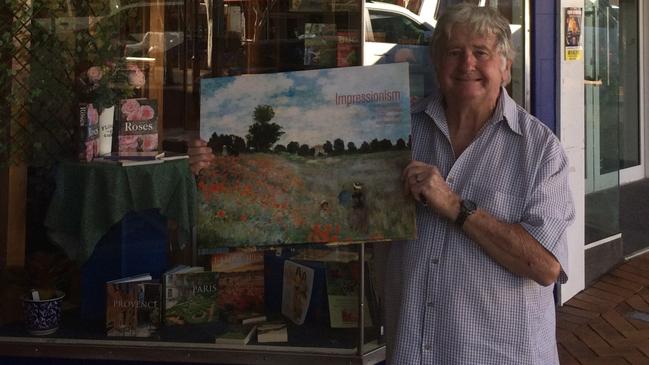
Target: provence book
305, 157
133, 307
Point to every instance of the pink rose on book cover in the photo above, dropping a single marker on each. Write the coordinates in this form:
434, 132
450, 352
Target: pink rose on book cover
130, 108
146, 112
138, 143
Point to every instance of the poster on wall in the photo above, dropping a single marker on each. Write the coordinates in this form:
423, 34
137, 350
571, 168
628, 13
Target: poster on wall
305, 157
573, 48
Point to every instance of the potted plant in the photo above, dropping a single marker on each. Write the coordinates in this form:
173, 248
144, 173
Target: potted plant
43, 300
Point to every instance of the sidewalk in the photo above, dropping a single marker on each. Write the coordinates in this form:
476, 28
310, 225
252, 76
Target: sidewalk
608, 322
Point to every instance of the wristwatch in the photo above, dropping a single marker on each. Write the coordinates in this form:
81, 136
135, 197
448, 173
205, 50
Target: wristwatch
467, 207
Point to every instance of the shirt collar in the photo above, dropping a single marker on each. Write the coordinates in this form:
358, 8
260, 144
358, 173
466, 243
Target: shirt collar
506, 109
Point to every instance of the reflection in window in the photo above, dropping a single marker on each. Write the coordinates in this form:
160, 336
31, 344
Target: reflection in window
396, 28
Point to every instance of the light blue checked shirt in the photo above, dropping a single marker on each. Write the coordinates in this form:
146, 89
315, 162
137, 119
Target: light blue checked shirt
446, 301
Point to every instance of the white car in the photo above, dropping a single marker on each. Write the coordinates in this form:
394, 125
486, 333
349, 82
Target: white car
395, 34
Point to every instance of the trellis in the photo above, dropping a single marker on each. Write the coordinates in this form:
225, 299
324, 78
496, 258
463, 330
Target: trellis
43, 47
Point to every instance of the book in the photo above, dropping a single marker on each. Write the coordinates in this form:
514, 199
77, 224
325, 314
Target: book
320, 44
140, 158
343, 284
272, 332
127, 162
253, 319
347, 49
89, 132
296, 291
171, 156
190, 296
236, 335
134, 155
133, 306
241, 283
137, 125
317, 313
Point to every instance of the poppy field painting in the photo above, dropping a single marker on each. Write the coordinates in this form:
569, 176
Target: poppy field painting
305, 157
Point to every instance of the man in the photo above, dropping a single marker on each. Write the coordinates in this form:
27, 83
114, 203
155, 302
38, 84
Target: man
476, 286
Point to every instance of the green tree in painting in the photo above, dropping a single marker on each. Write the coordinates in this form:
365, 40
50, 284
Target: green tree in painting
262, 134
339, 146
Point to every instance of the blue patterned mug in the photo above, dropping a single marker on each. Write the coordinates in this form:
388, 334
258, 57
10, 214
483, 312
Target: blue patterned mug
42, 317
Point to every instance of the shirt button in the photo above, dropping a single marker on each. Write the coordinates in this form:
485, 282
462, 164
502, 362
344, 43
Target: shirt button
435, 261
427, 347
430, 304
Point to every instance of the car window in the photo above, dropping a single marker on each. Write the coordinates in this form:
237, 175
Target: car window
443, 4
395, 28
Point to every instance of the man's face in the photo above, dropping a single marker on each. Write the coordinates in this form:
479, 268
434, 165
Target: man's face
471, 68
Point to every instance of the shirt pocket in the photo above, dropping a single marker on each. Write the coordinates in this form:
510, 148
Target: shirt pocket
505, 207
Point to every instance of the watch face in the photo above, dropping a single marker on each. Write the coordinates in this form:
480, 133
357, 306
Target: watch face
469, 205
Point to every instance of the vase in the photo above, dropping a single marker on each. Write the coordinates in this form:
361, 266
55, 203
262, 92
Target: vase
42, 317
105, 140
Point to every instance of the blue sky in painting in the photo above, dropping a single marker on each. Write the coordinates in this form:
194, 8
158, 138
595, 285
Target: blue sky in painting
305, 106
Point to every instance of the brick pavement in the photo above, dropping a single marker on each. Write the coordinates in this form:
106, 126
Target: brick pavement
608, 322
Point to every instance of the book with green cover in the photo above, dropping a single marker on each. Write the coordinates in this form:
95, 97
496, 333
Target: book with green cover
191, 298
236, 335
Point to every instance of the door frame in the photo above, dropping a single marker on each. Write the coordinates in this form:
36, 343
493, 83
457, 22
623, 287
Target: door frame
641, 171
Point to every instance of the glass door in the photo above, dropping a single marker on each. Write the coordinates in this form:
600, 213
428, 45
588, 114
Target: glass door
602, 104
631, 127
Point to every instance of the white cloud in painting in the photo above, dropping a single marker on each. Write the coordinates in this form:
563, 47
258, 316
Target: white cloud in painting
304, 105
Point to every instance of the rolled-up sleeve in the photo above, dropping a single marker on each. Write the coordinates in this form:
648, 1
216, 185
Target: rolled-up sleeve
550, 209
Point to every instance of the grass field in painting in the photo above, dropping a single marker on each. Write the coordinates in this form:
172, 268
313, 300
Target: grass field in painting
273, 199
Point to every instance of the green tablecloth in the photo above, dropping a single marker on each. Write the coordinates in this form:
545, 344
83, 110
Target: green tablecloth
92, 197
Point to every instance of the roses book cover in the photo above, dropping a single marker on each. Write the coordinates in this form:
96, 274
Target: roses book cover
138, 125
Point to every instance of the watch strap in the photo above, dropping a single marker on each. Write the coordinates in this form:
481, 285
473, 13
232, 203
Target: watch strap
467, 207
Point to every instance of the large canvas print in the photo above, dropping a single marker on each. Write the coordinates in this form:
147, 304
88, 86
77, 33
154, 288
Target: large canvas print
305, 157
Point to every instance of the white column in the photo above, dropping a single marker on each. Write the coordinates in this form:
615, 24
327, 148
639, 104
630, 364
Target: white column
570, 128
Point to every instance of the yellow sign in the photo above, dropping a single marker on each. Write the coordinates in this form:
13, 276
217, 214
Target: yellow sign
573, 54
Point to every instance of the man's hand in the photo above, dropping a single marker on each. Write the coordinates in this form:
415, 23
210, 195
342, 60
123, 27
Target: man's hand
200, 155
427, 186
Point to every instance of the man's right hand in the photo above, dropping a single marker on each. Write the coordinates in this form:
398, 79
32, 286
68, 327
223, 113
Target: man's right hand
200, 155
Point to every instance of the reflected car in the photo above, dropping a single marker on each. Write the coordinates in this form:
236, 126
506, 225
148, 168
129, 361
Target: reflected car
395, 34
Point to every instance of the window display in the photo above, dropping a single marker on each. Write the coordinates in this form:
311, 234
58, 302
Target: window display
132, 284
